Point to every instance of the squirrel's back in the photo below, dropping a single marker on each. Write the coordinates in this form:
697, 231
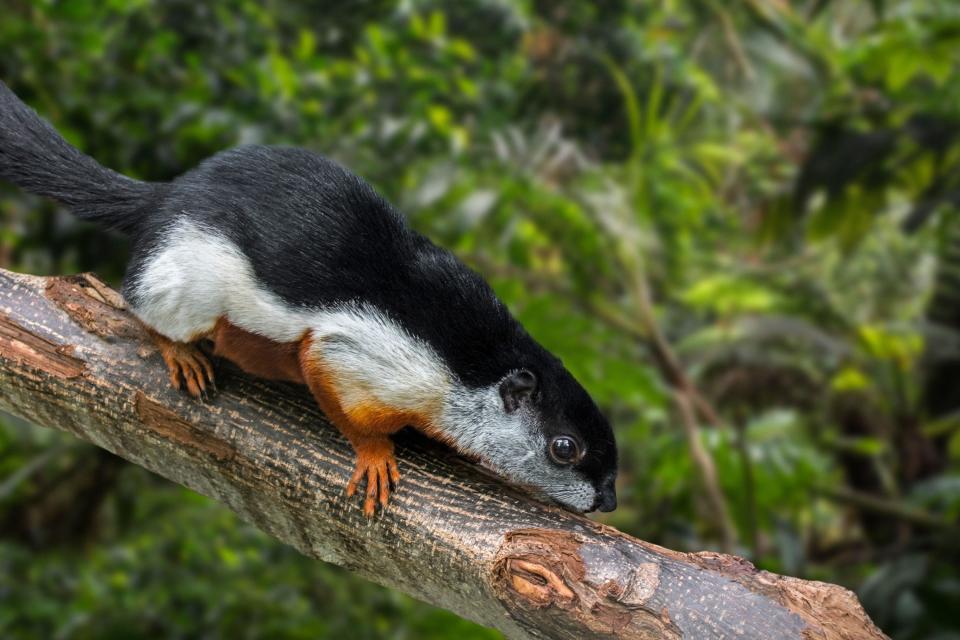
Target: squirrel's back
317, 235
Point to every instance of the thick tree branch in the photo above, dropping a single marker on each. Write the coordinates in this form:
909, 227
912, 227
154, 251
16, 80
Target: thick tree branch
454, 536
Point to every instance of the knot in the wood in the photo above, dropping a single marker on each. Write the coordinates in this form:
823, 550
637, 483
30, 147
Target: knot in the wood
536, 566
540, 572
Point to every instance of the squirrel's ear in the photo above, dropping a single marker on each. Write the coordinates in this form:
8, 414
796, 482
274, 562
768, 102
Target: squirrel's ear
517, 387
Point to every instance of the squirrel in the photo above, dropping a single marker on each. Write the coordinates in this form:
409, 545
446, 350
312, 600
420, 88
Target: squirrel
298, 270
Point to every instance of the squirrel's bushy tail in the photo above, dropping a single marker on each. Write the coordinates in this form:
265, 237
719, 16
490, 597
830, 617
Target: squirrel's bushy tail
37, 158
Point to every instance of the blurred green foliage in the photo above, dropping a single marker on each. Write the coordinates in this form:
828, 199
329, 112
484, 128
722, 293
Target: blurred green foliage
772, 188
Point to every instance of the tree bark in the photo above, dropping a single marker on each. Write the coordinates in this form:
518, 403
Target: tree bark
453, 535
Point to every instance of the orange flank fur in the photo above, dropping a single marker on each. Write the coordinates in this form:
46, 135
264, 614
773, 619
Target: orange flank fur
255, 354
368, 426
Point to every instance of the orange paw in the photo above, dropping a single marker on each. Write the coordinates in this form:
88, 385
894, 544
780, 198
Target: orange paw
189, 367
375, 462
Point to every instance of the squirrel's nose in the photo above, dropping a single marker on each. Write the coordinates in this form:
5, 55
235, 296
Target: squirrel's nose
607, 496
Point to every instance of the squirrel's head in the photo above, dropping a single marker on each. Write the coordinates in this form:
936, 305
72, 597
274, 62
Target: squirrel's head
540, 428
568, 449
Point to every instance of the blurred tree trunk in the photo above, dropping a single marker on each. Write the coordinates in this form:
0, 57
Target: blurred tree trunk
918, 455
454, 536
941, 388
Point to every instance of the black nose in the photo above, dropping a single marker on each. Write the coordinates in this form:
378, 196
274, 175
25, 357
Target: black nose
607, 497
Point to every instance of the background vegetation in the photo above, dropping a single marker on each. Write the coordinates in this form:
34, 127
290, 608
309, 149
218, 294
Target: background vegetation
737, 222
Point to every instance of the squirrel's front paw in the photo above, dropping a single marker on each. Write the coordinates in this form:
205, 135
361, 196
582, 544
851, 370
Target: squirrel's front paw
376, 462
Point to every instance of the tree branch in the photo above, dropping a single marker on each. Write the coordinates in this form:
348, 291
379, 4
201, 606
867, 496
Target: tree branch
72, 359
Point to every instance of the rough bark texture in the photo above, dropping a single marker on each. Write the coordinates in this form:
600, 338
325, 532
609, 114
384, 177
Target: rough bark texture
454, 536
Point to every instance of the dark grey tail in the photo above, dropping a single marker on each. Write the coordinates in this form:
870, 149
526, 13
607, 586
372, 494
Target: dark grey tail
36, 158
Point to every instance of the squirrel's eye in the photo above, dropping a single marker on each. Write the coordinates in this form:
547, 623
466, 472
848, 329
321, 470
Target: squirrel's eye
564, 450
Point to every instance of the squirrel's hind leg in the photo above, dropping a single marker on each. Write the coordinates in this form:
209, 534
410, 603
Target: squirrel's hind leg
190, 368
176, 320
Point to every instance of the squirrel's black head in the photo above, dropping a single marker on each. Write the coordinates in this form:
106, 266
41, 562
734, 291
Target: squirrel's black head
569, 452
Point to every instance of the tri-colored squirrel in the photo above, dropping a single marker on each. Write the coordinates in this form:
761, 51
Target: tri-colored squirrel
296, 269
